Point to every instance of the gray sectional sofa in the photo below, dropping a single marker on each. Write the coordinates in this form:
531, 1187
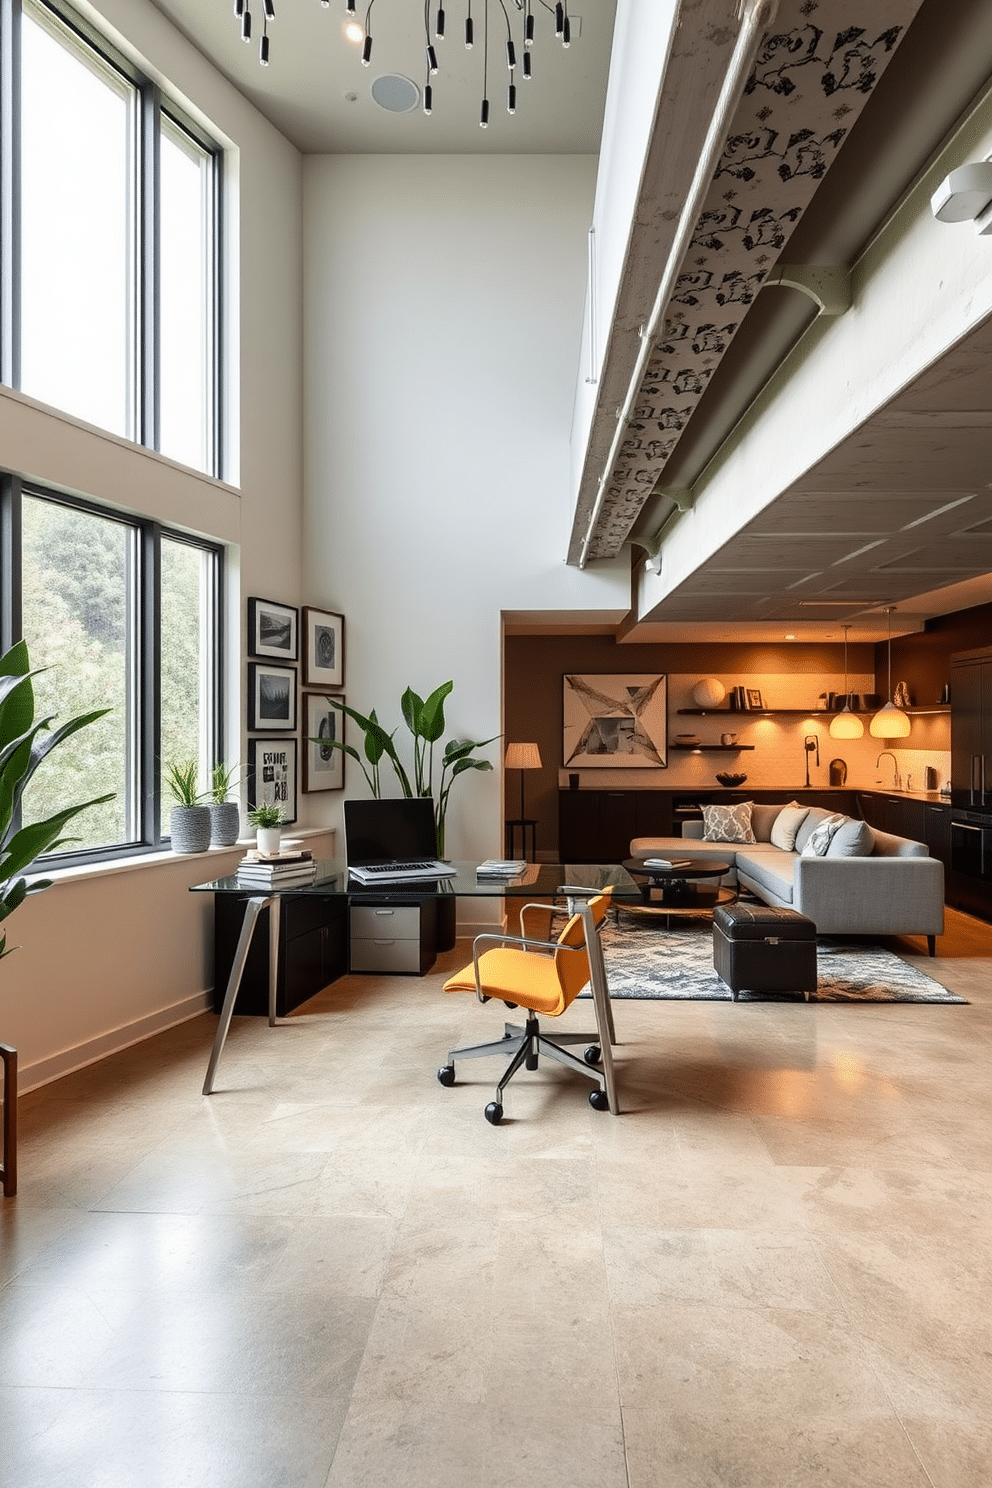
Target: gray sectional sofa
866, 882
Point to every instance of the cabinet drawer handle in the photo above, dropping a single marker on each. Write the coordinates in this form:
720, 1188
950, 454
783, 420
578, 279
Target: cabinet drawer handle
385, 911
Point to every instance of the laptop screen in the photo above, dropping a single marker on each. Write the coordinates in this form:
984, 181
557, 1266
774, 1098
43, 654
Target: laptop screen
390, 830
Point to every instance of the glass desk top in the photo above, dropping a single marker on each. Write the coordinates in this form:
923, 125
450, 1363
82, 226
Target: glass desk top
537, 879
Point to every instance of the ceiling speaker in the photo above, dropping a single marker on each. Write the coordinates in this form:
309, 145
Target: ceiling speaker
396, 94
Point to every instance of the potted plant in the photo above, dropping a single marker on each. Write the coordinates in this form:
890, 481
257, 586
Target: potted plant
424, 717
267, 821
189, 821
225, 815
24, 743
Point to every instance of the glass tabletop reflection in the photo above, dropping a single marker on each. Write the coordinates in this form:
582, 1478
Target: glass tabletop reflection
536, 879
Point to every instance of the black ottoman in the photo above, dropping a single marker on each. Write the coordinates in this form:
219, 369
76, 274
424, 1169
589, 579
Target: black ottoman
760, 949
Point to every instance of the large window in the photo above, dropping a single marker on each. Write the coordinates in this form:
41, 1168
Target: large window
124, 615
111, 246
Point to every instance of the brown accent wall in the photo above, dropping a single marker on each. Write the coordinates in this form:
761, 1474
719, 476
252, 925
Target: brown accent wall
923, 661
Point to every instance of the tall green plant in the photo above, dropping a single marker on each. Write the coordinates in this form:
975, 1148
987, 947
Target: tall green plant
424, 717
24, 744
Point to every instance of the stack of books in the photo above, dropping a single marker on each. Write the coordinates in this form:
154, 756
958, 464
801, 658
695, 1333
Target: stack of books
282, 871
501, 867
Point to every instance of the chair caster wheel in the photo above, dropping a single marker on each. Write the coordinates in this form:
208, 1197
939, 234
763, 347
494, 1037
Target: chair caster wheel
599, 1100
593, 1054
494, 1113
446, 1074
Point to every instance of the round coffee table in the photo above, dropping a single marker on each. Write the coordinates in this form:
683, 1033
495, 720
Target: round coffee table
680, 889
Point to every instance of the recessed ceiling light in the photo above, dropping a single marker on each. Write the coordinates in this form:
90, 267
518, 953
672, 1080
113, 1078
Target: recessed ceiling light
354, 32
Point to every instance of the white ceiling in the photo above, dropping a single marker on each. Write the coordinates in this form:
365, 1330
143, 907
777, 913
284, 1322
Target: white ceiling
317, 93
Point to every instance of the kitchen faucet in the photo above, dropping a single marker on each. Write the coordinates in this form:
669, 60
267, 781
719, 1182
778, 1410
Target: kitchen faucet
896, 782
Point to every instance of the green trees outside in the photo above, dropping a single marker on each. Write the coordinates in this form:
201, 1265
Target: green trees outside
79, 585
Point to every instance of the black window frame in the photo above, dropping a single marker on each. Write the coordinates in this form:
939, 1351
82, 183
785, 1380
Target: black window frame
147, 784
152, 104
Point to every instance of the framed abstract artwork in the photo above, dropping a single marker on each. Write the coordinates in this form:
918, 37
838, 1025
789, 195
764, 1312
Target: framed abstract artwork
617, 721
271, 697
273, 630
323, 648
272, 775
323, 765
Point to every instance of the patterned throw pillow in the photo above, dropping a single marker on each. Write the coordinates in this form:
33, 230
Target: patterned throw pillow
819, 840
728, 823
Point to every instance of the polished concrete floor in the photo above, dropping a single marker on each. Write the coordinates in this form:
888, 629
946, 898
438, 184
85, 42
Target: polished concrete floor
772, 1270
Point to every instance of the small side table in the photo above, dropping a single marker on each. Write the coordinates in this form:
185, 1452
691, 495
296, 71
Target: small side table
527, 827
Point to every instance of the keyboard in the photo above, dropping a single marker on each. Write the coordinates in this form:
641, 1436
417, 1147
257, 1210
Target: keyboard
392, 872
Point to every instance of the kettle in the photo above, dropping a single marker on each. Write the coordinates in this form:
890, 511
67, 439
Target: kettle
838, 772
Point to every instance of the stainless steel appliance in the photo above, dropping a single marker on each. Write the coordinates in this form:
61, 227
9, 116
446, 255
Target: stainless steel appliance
971, 844
971, 729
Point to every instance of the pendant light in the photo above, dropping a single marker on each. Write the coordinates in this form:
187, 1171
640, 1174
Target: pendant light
889, 722
846, 724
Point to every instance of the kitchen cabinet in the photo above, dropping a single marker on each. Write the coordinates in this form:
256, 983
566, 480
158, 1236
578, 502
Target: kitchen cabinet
971, 728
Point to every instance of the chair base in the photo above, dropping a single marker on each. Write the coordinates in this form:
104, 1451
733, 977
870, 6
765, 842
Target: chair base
525, 1046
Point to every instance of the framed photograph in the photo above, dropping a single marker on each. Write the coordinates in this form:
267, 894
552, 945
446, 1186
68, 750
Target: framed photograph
323, 648
272, 775
323, 766
616, 721
754, 699
273, 630
271, 697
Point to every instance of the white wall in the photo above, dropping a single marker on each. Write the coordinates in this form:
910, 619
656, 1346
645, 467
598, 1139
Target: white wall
444, 306
107, 956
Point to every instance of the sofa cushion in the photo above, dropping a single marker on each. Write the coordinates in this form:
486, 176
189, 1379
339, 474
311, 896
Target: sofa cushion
762, 820
822, 835
728, 823
814, 816
853, 839
767, 868
786, 824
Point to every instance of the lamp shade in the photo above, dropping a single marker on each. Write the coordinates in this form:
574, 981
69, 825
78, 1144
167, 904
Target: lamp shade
889, 723
846, 725
708, 693
522, 757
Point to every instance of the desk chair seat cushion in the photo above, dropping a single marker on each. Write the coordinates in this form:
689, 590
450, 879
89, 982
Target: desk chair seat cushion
544, 983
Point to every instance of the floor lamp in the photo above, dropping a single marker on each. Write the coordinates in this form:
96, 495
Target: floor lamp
522, 757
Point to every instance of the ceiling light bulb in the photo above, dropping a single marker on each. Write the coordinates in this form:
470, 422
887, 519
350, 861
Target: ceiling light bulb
354, 32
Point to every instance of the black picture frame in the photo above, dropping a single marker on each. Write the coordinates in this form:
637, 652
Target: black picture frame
271, 697
272, 775
323, 648
273, 629
323, 768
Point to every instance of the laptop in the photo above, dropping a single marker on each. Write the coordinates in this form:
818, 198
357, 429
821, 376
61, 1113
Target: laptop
392, 841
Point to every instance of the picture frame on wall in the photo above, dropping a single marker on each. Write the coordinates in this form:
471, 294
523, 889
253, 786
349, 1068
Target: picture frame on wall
273, 629
616, 721
323, 766
323, 648
754, 701
272, 775
271, 697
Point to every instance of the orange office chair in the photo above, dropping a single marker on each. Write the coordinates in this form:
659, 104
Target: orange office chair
543, 976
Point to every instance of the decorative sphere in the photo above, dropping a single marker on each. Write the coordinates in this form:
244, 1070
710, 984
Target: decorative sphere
708, 693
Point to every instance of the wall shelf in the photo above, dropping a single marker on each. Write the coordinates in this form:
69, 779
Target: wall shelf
916, 710
710, 748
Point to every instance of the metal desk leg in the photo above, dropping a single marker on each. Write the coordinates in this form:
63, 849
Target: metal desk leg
253, 909
601, 1002
274, 907
8, 1173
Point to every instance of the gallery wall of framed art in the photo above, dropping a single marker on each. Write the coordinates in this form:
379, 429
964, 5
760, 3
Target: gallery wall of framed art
277, 709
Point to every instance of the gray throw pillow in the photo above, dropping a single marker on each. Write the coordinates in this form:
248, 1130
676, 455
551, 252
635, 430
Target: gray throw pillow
814, 816
819, 840
728, 823
853, 839
787, 824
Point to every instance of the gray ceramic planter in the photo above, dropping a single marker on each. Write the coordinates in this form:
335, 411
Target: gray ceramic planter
189, 828
225, 823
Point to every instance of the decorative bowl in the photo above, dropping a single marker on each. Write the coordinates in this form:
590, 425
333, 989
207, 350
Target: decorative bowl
728, 778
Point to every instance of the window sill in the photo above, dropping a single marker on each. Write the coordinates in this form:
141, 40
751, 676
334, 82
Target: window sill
166, 858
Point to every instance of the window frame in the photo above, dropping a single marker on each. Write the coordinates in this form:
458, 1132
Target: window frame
152, 106
145, 738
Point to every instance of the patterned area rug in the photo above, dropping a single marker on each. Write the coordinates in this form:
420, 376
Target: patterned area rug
644, 961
